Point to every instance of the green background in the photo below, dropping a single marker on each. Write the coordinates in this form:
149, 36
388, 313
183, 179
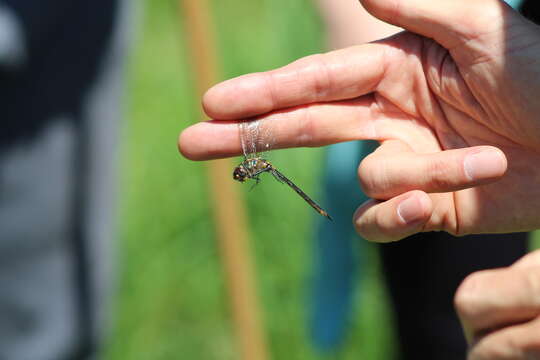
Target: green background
172, 302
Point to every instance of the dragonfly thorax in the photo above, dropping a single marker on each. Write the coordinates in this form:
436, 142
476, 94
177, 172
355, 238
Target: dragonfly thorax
254, 138
250, 168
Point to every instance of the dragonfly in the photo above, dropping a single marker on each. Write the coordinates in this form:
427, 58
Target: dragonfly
255, 139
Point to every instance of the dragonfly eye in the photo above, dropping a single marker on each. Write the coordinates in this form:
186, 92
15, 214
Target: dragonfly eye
240, 174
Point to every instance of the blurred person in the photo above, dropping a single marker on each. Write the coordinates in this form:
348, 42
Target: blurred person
453, 102
61, 70
419, 263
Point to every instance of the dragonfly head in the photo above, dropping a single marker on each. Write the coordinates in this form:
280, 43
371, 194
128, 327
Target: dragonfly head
240, 173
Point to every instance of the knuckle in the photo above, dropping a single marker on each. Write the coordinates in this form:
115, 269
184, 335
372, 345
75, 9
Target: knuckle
440, 174
315, 68
497, 347
529, 343
467, 300
532, 283
322, 80
370, 176
306, 127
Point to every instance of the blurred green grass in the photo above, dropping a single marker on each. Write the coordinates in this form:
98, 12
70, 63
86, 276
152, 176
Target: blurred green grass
172, 301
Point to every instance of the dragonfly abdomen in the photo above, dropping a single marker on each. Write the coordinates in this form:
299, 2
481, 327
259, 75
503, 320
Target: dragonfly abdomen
251, 168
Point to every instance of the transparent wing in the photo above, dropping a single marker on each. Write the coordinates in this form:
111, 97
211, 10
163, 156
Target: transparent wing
255, 138
248, 133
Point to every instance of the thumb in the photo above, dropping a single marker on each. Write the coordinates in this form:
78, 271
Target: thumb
449, 22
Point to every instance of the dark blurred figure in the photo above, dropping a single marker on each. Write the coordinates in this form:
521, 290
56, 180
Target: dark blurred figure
61, 69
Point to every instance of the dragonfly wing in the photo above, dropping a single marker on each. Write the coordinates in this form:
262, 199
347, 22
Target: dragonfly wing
256, 138
247, 140
265, 137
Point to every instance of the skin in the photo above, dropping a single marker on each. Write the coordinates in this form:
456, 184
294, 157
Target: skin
502, 322
455, 106
454, 101
347, 23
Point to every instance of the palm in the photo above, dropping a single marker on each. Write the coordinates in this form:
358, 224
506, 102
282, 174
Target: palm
452, 107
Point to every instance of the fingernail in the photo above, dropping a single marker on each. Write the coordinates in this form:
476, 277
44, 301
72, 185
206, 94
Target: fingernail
410, 210
484, 165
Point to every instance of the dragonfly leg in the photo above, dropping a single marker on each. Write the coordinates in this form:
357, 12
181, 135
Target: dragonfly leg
257, 180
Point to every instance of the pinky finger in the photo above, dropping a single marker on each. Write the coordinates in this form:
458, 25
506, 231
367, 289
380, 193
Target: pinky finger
394, 219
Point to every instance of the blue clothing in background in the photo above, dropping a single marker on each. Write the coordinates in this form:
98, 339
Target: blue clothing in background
336, 253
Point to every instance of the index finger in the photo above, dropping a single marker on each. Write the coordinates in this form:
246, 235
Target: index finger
312, 125
337, 75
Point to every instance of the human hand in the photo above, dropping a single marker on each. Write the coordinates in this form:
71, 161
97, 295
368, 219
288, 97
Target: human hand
500, 311
454, 108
